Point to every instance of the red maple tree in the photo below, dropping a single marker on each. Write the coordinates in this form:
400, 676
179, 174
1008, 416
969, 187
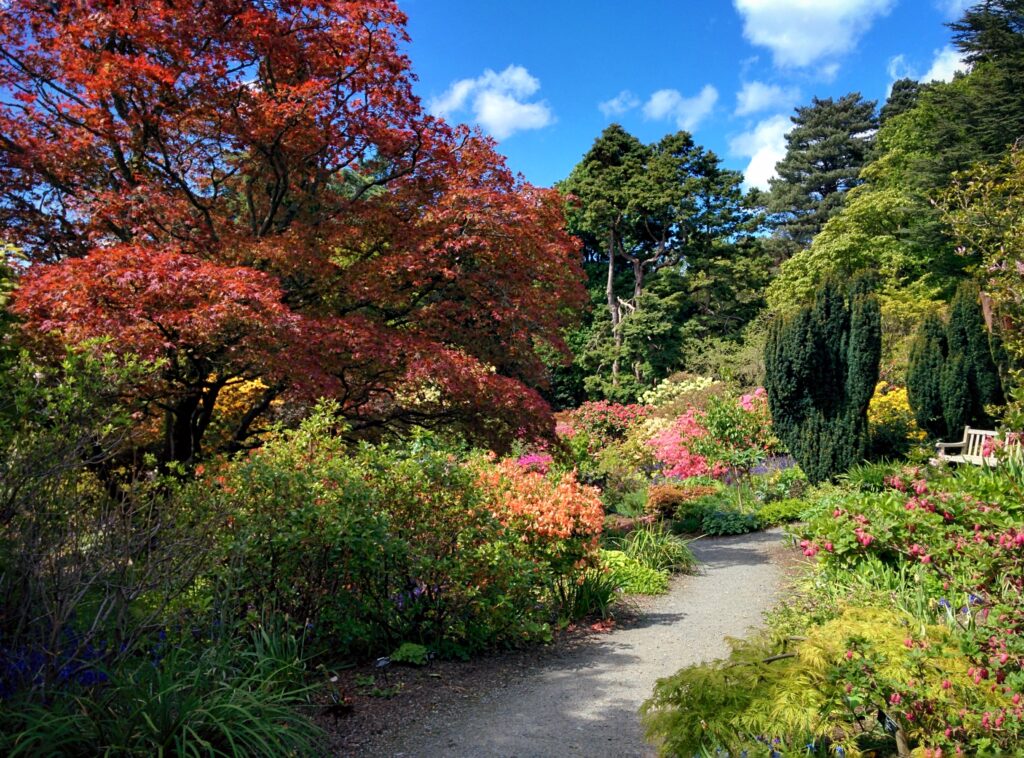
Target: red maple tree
249, 188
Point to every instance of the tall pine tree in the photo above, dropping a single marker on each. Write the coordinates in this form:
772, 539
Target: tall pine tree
825, 150
821, 367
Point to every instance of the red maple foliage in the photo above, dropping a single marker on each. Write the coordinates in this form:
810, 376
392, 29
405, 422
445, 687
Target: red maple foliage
249, 188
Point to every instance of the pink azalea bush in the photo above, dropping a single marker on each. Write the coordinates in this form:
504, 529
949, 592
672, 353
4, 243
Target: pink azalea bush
730, 435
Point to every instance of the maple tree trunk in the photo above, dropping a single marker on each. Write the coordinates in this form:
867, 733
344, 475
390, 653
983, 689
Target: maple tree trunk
186, 423
613, 307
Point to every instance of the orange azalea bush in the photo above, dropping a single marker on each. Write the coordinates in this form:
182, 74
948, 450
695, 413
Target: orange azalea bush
560, 518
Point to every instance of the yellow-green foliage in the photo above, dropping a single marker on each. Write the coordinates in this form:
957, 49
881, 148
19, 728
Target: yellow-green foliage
863, 235
826, 687
633, 577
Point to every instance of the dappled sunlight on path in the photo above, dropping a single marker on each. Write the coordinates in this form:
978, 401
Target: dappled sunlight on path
585, 701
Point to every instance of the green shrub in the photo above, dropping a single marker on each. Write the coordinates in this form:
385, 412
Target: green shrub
375, 546
779, 485
411, 653
720, 523
632, 576
218, 700
632, 503
781, 512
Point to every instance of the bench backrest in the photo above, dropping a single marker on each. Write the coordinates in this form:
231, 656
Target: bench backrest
975, 440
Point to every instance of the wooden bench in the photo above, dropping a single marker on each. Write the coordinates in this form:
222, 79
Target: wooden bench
977, 447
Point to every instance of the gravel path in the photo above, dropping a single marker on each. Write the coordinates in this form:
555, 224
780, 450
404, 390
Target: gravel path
585, 702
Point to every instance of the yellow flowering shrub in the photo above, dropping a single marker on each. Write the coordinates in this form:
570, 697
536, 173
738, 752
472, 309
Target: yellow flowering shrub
891, 421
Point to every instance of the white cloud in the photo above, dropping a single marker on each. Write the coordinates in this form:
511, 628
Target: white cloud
758, 96
898, 68
955, 8
496, 102
764, 145
802, 32
621, 103
687, 112
947, 62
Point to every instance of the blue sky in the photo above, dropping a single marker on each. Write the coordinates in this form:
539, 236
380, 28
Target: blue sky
544, 77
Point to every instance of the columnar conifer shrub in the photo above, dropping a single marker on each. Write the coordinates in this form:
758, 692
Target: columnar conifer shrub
821, 367
928, 355
952, 375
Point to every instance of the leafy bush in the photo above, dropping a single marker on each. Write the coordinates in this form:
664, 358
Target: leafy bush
632, 503
778, 695
411, 653
632, 576
778, 479
91, 549
720, 523
219, 699
377, 546
781, 512
892, 428
666, 500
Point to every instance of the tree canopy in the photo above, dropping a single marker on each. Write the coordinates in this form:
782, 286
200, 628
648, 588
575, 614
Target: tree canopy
252, 190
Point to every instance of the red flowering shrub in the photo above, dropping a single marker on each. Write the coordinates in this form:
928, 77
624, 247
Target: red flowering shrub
603, 422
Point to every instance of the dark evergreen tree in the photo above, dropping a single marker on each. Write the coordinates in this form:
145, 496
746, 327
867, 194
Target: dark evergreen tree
967, 335
825, 152
902, 98
952, 375
654, 216
981, 115
924, 376
821, 367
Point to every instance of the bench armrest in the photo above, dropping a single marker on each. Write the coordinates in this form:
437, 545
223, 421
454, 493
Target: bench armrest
945, 445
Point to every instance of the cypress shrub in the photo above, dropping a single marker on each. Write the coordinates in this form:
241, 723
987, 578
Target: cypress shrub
821, 367
953, 375
924, 376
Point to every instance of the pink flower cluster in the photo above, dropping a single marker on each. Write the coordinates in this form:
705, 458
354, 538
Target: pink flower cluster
755, 400
604, 422
672, 448
537, 462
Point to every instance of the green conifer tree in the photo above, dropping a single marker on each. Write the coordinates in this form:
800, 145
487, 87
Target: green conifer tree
826, 149
952, 375
924, 376
821, 367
